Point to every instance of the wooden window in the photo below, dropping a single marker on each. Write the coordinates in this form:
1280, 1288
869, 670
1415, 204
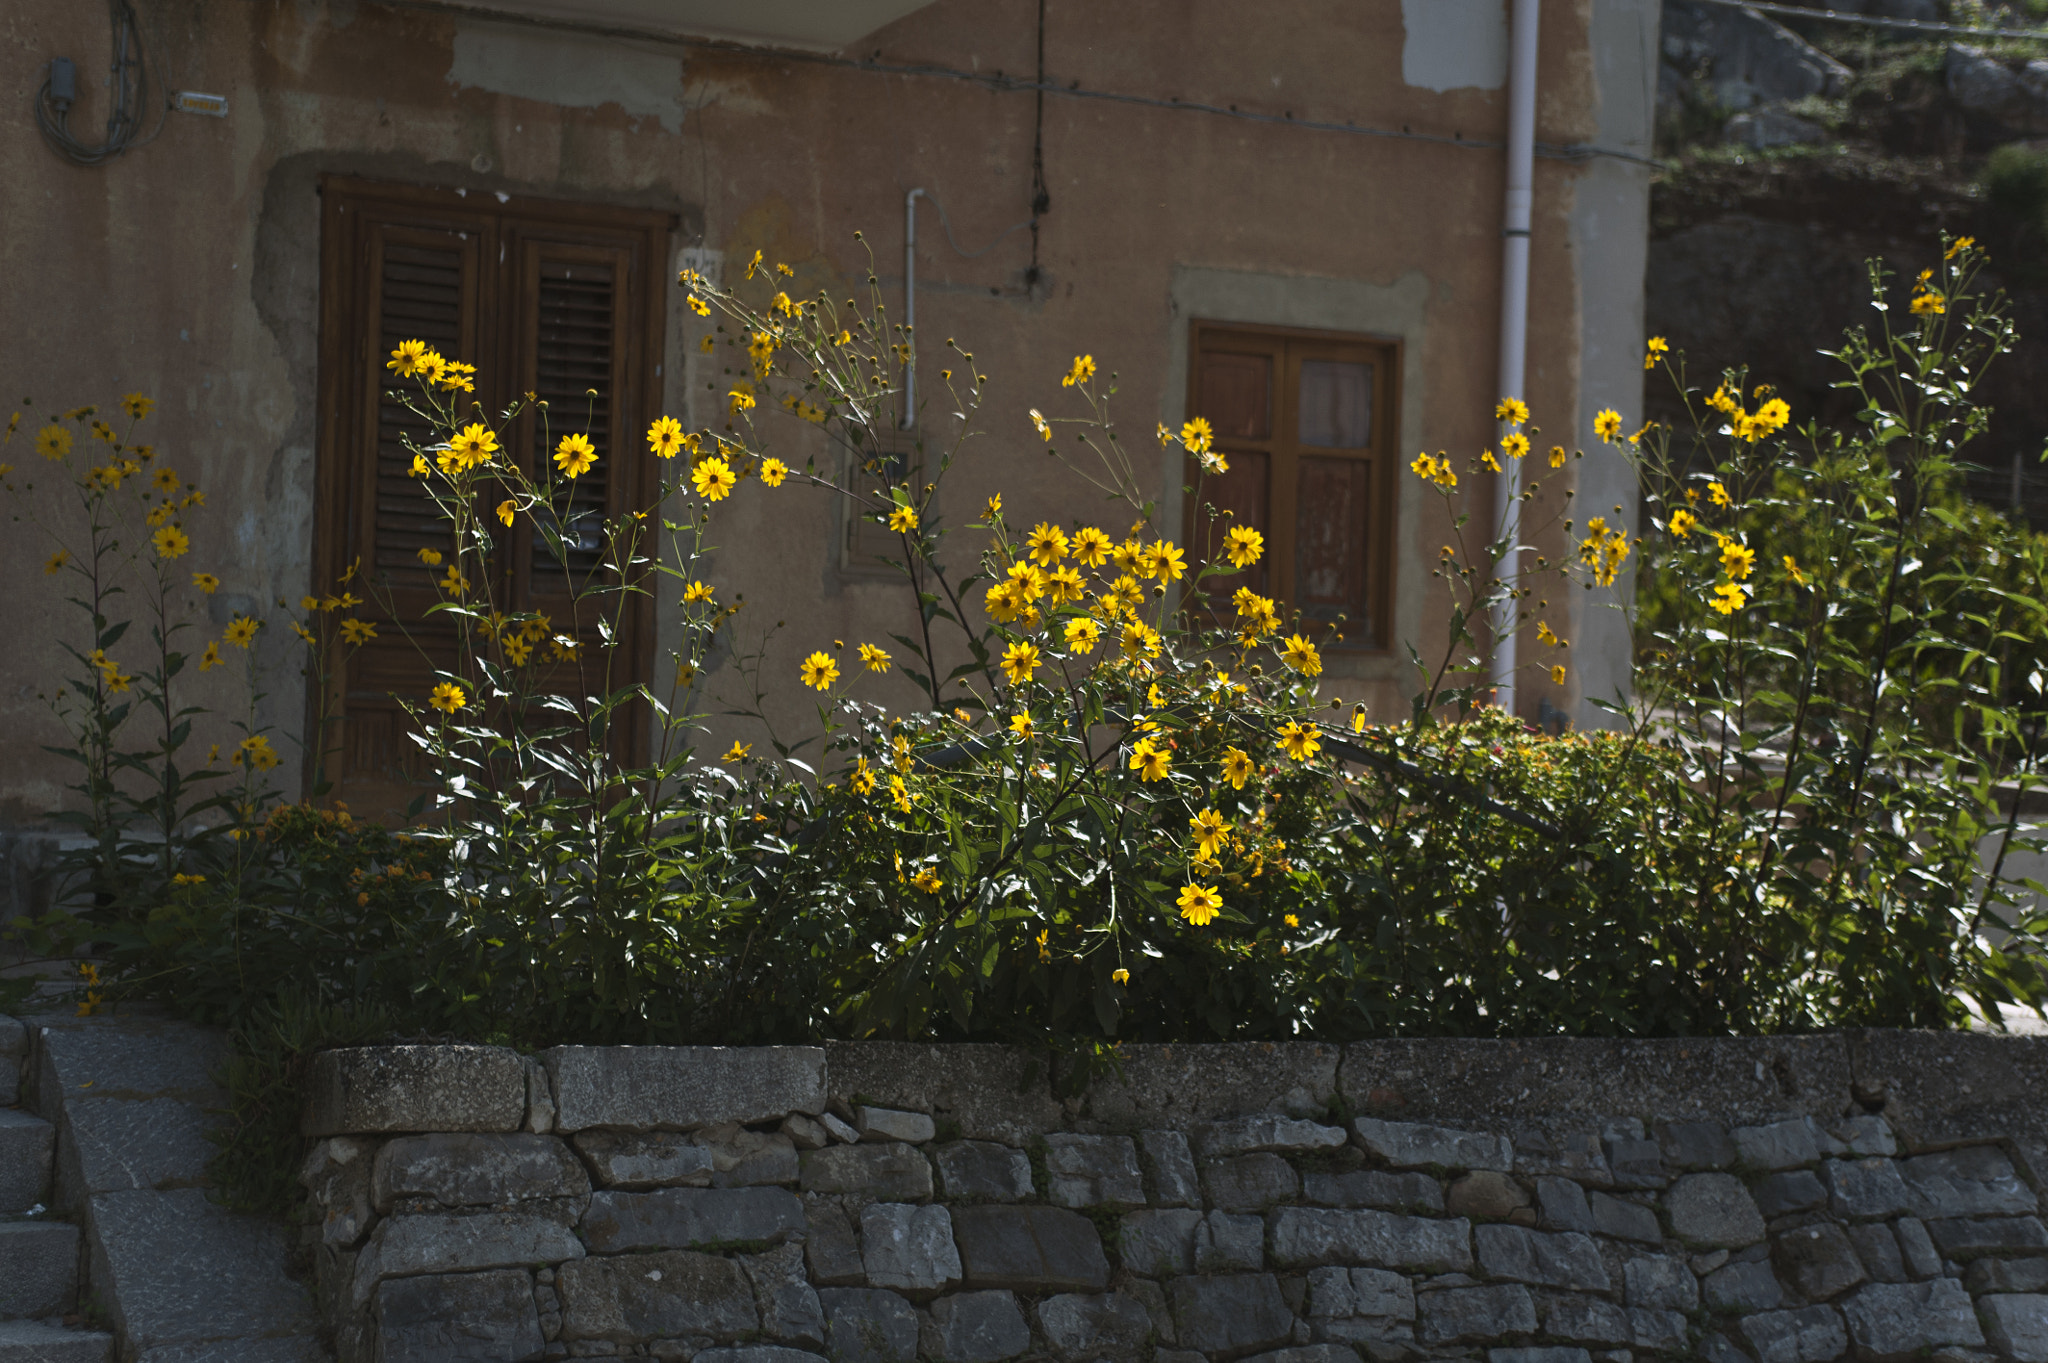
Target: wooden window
1306, 422
561, 300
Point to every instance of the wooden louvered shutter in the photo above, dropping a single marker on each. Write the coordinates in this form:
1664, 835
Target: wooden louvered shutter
560, 300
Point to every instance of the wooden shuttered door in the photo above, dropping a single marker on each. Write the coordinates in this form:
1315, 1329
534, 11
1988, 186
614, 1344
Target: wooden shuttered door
1305, 421
561, 300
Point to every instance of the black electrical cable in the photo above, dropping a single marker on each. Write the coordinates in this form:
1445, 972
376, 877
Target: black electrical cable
1040, 198
128, 86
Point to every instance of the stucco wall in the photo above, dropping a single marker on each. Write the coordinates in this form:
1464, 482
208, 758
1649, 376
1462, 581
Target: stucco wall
187, 268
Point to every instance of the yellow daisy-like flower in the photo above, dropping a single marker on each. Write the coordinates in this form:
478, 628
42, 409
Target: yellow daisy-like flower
1486, 458
506, 510
1607, 425
255, 751
1958, 246
57, 561
1039, 423
1199, 904
1792, 571
1083, 369
1299, 741
475, 445
1020, 660
171, 542
862, 779
1516, 444
665, 436
874, 659
695, 592
903, 520
1243, 545
1090, 547
358, 632
1929, 303
1545, 634
448, 698
408, 359
738, 752
453, 582
430, 557
1718, 495
164, 481
699, 306
773, 471
53, 442
753, 264
819, 671
241, 631
740, 398
1301, 655
138, 406
1120, 976
305, 635
1737, 560
1358, 718
1197, 435
1727, 598
1655, 351
713, 479
211, 658
928, 881
1082, 636
1513, 411
1046, 543
575, 455
1020, 725
1557, 674
1064, 584
1168, 561
1682, 522
1557, 456
1209, 830
1140, 640
1238, 767
456, 377
1150, 760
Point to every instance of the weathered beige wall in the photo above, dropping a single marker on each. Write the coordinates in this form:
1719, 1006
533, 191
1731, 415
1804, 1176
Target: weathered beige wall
187, 268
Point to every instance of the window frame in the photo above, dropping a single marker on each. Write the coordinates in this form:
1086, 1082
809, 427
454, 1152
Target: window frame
1288, 347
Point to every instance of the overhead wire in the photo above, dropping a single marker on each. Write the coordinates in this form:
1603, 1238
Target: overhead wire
1834, 16
128, 88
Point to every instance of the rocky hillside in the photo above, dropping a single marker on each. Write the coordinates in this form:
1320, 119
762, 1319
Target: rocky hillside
1797, 149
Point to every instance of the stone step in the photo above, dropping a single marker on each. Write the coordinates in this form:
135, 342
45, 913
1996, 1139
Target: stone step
27, 1148
31, 1341
38, 1268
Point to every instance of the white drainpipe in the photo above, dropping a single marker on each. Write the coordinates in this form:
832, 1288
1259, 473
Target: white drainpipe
909, 418
1514, 312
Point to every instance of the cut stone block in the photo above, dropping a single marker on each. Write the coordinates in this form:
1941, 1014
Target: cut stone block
2016, 1326
983, 1171
830, 1246
888, 1124
909, 1248
149, 1248
977, 1327
684, 1218
741, 1158
458, 1318
2006, 1275
1338, 1292
804, 1133
682, 1087
1564, 1259
788, 1304
113, 1145
1588, 1320
1489, 1196
1225, 1243
31, 1341
1743, 1287
1780, 1145
1811, 1335
1561, 1205
869, 1326
1819, 1260
1538, 1354
1029, 1249
636, 1161
1865, 1188
38, 1268
1923, 1260
1660, 1283
476, 1170
127, 1058
892, 1172
1304, 1353
1246, 1135
1713, 1210
374, 1089
1250, 1183
1977, 1180
1093, 1171
1172, 1169
1659, 1331
1159, 1244
1109, 1325
1307, 1237
1970, 1237
1878, 1248
1451, 1314
1414, 1145
1375, 1188
1636, 1162
629, 1298
1230, 1315
1625, 1220
1867, 1136
758, 1353
1794, 1190
1577, 1155
1892, 1322
27, 1146
402, 1246
1695, 1145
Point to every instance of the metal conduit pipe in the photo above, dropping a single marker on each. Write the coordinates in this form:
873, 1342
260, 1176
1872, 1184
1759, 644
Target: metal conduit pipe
908, 418
1514, 318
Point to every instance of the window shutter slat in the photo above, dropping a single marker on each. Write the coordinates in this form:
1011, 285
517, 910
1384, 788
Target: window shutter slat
575, 354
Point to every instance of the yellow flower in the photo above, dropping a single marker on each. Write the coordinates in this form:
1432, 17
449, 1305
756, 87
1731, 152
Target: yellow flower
1486, 458
1557, 674
773, 471
1737, 559
863, 778
1727, 599
57, 561
738, 752
928, 881
753, 264
1299, 741
900, 793
1120, 976
358, 632
408, 359
1557, 456
430, 557
447, 698
506, 509
1020, 660
1301, 655
453, 582
1929, 303
1082, 636
1047, 543
1150, 760
819, 671
699, 306
1516, 444
903, 520
695, 592
241, 631
780, 302
456, 377
1771, 416
206, 582
164, 481
1682, 522
138, 406
1237, 767
1792, 569
1655, 351
665, 436
993, 509
255, 751
305, 635
475, 445
516, 650
53, 442
1083, 370
1717, 494
1547, 635
171, 542
1020, 725
420, 468
1038, 422
1514, 411
1209, 830
1140, 640
1199, 904
874, 659
1358, 718
1607, 425
1958, 246
574, 456
1169, 561
740, 398
713, 478
1243, 545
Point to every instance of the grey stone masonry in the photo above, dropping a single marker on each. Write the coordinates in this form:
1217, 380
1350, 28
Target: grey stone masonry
1770, 1200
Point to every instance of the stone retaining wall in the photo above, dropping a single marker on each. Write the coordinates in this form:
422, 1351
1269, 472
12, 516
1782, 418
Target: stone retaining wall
1785, 1200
